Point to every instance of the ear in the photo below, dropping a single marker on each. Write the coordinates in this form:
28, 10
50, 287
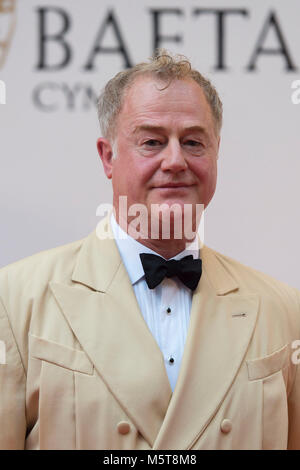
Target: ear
106, 154
219, 139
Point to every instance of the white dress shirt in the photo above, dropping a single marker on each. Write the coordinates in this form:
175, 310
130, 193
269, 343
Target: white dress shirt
166, 308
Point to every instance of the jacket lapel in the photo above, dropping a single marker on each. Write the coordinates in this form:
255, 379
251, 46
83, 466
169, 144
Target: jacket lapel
111, 329
217, 341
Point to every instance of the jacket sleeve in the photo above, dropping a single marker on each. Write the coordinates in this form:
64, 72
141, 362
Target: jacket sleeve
12, 388
294, 397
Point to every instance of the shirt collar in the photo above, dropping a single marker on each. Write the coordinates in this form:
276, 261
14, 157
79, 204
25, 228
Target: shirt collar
130, 250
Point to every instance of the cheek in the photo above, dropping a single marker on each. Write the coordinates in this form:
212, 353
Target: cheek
141, 177
121, 178
131, 178
205, 170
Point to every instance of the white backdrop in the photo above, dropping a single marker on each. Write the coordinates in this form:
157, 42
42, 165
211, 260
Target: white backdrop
51, 176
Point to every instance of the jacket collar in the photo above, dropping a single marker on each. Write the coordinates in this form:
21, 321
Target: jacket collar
99, 260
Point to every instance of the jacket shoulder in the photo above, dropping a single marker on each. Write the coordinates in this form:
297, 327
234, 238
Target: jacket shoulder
52, 264
250, 279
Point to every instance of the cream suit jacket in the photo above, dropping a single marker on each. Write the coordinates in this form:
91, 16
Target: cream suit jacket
83, 370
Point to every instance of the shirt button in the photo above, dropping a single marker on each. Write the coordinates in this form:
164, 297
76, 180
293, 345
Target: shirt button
171, 360
168, 310
226, 426
123, 427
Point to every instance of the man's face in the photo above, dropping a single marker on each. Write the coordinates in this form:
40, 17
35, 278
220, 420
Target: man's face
167, 148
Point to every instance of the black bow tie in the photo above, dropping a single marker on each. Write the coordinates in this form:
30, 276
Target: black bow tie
187, 269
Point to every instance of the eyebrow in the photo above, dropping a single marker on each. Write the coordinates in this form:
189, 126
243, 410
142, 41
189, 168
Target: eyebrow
151, 127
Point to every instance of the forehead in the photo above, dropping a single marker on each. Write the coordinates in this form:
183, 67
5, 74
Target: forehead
149, 98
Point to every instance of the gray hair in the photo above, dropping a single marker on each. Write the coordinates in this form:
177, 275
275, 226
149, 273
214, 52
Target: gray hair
162, 66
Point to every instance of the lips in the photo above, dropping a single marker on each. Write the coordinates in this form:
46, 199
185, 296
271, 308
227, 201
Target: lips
174, 185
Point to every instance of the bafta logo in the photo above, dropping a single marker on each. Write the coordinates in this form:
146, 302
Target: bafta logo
7, 26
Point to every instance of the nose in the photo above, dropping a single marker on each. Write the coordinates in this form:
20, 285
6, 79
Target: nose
173, 158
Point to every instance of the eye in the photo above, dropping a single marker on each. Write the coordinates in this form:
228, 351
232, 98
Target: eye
152, 143
193, 143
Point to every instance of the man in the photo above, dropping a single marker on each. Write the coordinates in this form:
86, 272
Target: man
129, 339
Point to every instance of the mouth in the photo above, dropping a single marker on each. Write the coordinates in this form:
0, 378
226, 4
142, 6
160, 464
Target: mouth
174, 186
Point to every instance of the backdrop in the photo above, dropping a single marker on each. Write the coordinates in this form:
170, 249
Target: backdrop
55, 56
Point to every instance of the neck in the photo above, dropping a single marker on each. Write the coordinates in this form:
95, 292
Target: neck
165, 247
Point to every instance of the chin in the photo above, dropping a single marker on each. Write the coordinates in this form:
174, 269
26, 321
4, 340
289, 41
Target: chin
169, 209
